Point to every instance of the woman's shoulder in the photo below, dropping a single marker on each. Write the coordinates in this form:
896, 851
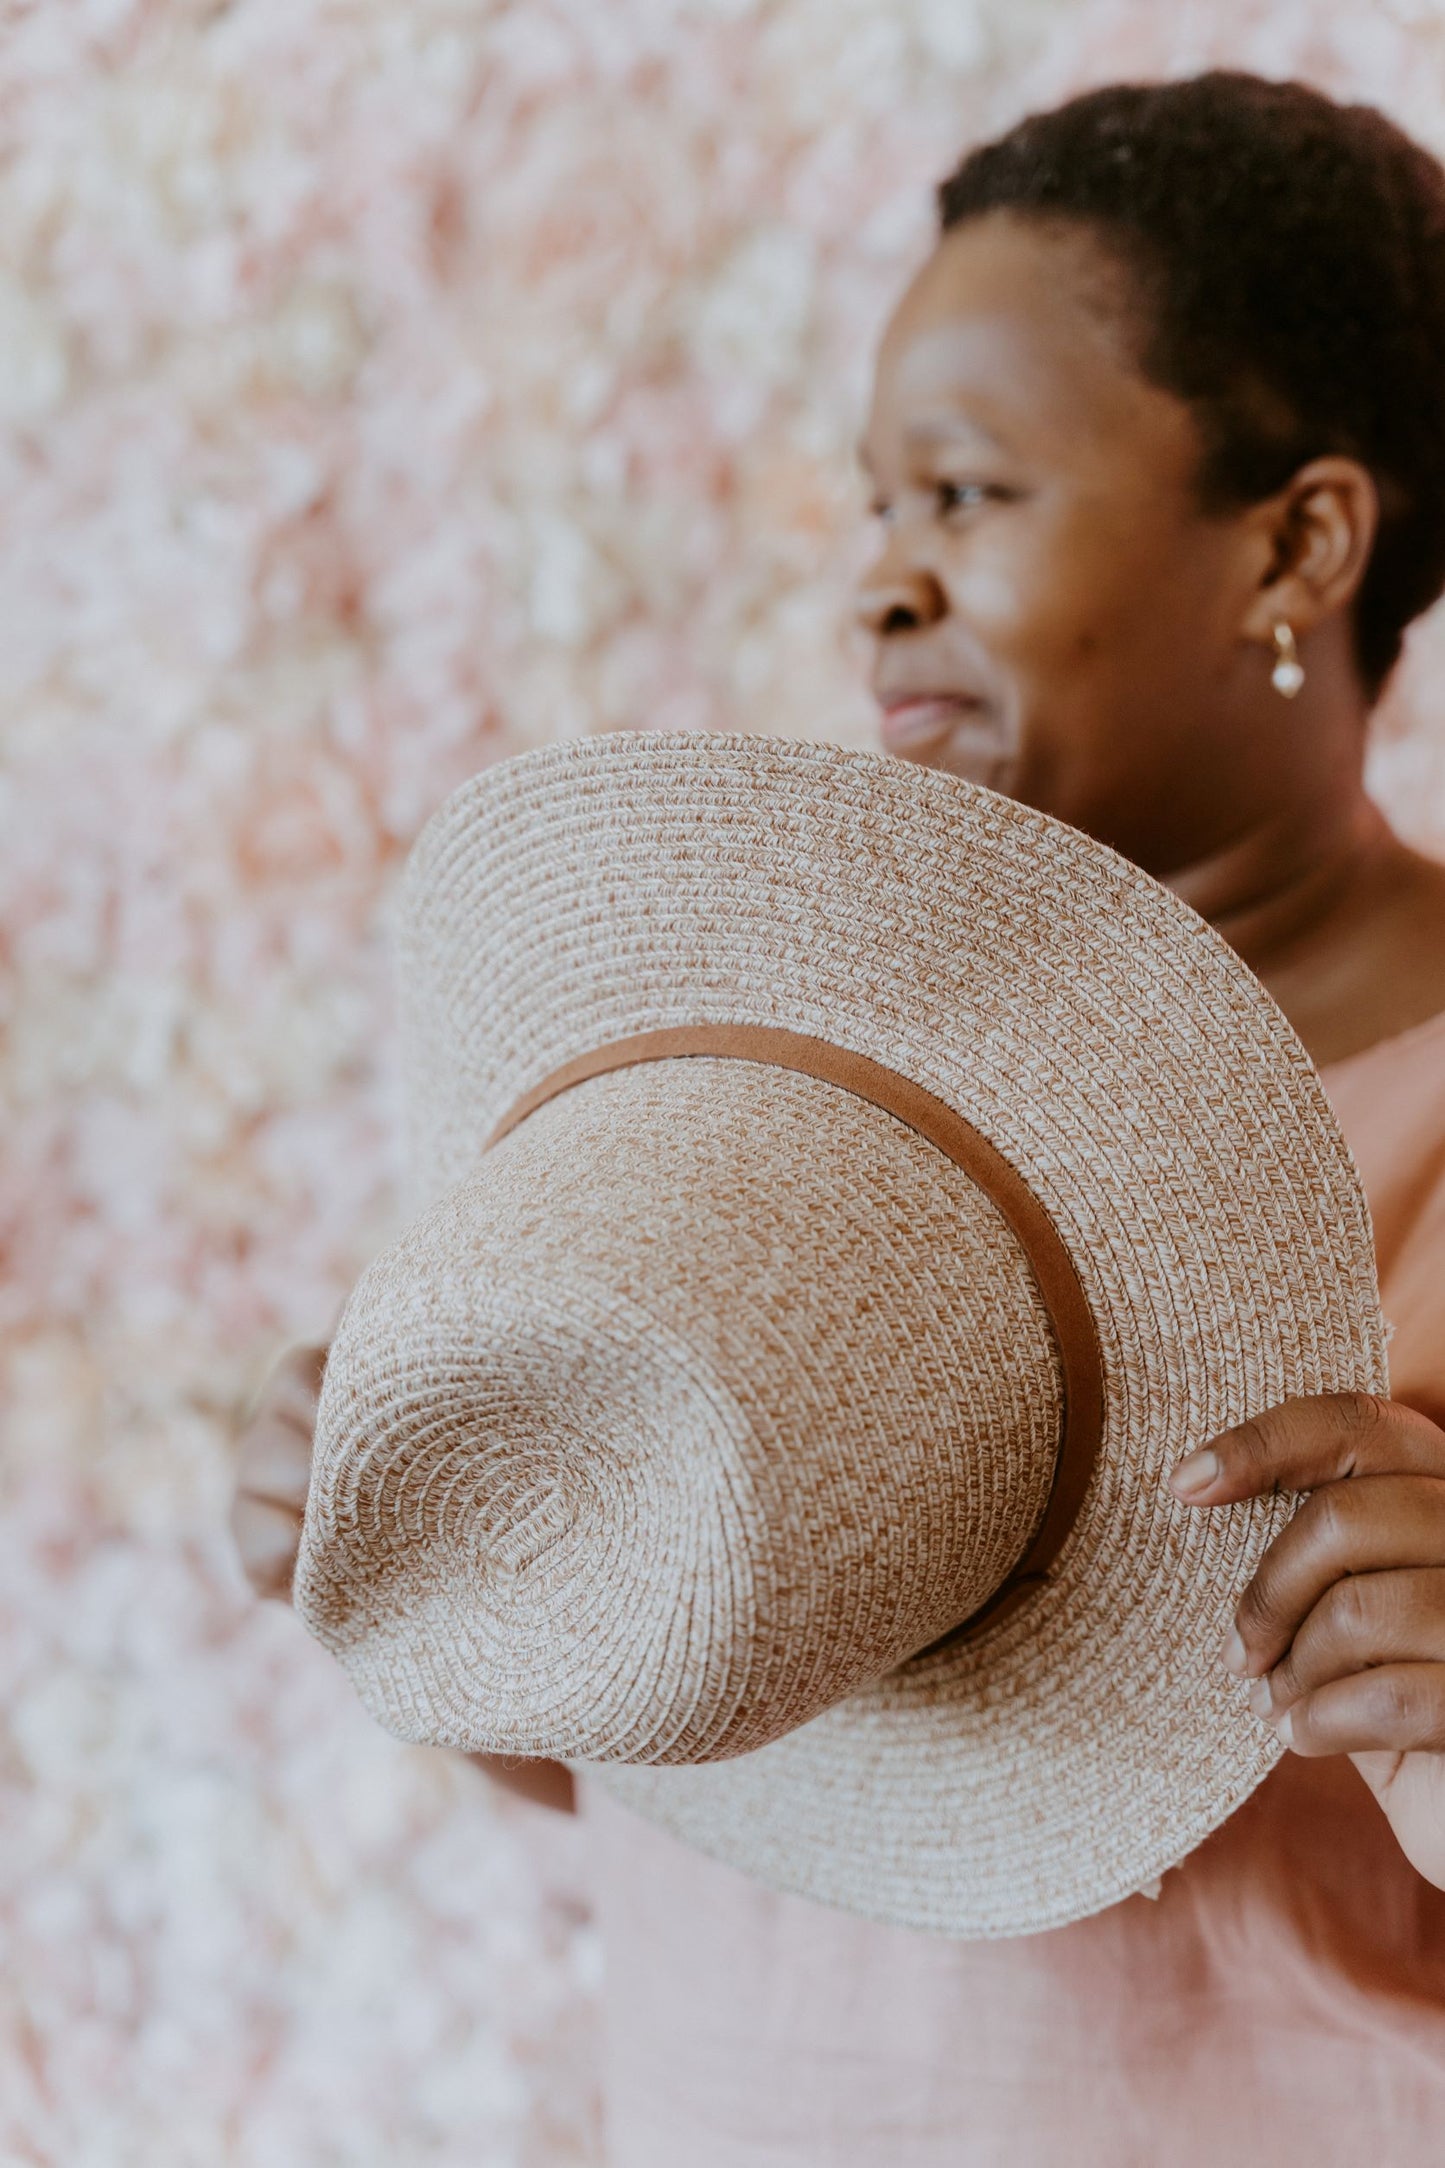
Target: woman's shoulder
1416, 1047
1390, 1102
1389, 1092
1388, 1088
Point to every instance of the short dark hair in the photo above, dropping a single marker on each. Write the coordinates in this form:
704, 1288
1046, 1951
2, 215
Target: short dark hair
1289, 255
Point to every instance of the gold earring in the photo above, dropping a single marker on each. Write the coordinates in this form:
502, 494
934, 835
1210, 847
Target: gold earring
1288, 673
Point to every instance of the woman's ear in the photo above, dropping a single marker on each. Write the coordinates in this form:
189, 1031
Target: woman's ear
1316, 535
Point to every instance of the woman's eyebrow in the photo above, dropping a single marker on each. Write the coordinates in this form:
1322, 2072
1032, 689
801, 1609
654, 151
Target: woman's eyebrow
952, 429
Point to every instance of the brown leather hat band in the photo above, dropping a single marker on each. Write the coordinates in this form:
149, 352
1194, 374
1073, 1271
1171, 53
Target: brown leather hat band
1063, 1294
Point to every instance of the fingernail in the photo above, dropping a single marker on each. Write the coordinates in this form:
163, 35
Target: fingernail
1285, 1727
1261, 1697
1236, 1655
1195, 1473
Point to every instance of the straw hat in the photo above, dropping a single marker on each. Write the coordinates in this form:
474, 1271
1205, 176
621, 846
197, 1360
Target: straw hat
846, 1193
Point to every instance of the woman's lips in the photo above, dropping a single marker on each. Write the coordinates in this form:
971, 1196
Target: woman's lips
916, 722
957, 733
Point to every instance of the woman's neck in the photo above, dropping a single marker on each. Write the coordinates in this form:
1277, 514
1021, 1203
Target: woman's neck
1275, 881
1342, 922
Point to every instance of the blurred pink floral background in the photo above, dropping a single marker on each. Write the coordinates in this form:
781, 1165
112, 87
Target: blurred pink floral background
384, 388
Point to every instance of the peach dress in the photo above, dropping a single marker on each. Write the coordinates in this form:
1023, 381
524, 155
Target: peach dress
1282, 2002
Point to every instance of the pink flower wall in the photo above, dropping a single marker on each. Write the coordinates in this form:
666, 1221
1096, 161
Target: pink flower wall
384, 388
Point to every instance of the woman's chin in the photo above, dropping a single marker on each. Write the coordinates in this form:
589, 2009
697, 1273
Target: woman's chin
977, 755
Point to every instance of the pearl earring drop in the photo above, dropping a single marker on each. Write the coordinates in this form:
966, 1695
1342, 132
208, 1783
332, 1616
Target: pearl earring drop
1288, 673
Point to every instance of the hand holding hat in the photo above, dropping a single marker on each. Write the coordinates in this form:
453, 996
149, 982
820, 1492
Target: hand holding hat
273, 1470
1342, 1629
707, 1424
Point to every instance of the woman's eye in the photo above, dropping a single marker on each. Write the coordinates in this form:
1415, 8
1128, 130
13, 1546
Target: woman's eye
953, 496
948, 497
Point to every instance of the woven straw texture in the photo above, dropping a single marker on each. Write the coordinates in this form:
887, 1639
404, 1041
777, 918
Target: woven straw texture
679, 1418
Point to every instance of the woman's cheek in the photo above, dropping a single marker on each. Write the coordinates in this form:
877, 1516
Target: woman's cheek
1025, 595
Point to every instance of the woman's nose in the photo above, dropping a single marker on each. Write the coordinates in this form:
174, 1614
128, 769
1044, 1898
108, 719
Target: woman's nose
898, 599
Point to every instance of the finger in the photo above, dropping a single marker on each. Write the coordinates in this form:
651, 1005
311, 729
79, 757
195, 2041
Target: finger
1371, 1525
545, 1783
267, 1538
1303, 1443
274, 1459
293, 1386
1397, 1706
1366, 1619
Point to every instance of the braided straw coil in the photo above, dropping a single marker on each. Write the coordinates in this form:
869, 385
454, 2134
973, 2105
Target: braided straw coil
688, 1412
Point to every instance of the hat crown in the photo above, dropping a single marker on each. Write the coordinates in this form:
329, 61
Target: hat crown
730, 1392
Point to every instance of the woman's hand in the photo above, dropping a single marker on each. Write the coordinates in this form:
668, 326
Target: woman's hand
1342, 1629
272, 1476
273, 1470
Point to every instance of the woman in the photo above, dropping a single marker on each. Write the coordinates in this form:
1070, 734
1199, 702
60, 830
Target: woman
1158, 439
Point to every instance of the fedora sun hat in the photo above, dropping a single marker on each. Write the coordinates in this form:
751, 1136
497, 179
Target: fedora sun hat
842, 1194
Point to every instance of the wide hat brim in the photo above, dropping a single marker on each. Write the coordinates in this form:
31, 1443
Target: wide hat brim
1155, 1100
